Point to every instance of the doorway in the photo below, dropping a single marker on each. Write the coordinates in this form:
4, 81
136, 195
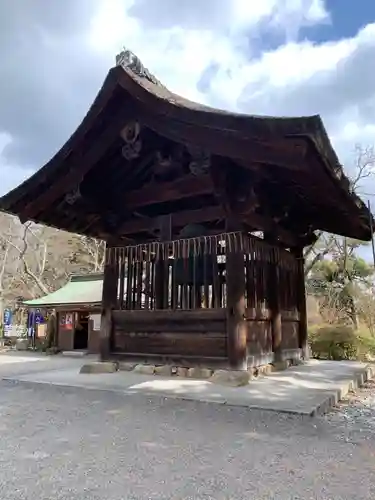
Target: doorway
81, 331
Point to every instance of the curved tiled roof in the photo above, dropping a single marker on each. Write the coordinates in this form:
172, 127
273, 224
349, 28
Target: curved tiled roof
147, 94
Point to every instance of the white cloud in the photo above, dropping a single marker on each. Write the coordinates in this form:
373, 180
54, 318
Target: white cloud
209, 51
11, 175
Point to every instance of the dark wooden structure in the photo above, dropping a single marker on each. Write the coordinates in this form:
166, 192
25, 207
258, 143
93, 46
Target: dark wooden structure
205, 214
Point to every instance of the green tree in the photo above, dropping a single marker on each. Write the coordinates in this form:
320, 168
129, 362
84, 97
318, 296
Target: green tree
339, 280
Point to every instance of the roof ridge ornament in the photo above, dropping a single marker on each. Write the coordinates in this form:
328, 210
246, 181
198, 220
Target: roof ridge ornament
128, 60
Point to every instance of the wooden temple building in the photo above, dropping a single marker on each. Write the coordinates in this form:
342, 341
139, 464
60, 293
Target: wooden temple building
205, 214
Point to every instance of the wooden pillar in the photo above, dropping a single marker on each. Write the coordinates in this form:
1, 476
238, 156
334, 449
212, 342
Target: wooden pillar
276, 324
236, 307
301, 304
109, 300
273, 292
161, 267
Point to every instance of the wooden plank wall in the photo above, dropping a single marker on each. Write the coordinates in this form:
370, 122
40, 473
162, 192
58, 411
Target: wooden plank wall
184, 327
200, 333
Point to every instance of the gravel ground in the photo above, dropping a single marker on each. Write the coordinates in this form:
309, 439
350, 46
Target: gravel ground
59, 443
355, 416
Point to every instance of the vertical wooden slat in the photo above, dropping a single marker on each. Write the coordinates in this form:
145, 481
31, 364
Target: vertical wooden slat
152, 285
236, 323
206, 289
109, 300
216, 279
174, 286
139, 285
129, 282
161, 270
122, 281
147, 284
301, 303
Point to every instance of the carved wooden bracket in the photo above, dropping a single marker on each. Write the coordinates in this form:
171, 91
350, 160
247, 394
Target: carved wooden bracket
133, 143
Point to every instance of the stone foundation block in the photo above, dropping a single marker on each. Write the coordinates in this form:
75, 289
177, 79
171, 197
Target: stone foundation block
144, 369
126, 366
198, 372
164, 370
264, 370
22, 344
99, 367
182, 371
281, 365
231, 378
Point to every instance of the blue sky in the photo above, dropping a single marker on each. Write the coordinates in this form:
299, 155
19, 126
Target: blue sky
275, 57
347, 17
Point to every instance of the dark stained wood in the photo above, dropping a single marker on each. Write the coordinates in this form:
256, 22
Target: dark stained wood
109, 302
236, 307
273, 296
122, 282
148, 224
152, 321
184, 187
172, 344
167, 316
259, 337
206, 214
289, 152
161, 266
253, 314
301, 298
276, 324
176, 333
84, 161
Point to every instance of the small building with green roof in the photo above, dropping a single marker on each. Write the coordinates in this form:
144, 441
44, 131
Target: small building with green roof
78, 306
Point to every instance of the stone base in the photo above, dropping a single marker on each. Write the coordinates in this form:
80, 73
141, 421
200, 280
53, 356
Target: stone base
22, 344
99, 367
144, 369
199, 373
126, 366
231, 378
165, 370
281, 365
262, 370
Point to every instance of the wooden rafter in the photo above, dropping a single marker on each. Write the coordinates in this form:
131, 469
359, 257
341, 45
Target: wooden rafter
83, 162
288, 152
184, 187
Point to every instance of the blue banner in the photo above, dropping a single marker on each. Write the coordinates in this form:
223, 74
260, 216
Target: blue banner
7, 317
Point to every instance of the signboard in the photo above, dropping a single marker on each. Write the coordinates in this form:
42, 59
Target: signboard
7, 317
69, 321
96, 319
38, 317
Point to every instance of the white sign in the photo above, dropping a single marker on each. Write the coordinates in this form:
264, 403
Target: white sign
96, 318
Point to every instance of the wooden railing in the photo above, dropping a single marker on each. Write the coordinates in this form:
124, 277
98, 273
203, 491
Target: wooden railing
190, 274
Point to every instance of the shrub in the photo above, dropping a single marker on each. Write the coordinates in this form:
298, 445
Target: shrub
339, 342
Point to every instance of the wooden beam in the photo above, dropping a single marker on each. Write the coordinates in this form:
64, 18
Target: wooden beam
273, 293
254, 222
148, 224
81, 163
189, 185
236, 306
161, 267
302, 310
289, 152
109, 301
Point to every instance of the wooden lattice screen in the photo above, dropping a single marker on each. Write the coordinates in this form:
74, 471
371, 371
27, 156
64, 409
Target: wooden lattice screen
193, 275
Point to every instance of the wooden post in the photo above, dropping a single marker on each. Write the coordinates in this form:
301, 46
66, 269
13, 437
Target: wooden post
273, 292
301, 304
161, 267
236, 322
276, 324
109, 301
